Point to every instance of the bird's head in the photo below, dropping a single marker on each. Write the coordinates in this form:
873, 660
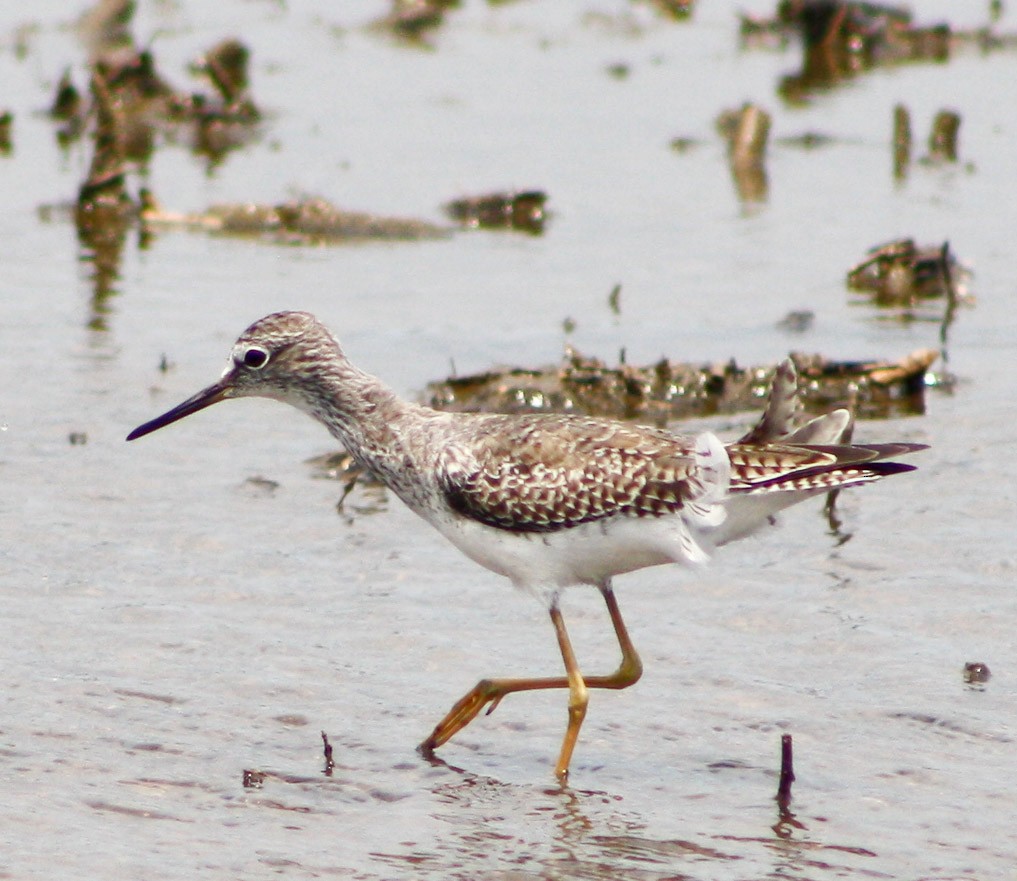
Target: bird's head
276, 357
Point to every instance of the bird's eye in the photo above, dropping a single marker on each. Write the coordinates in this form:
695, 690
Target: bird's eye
255, 357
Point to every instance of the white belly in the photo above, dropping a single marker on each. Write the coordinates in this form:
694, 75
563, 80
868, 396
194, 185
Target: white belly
587, 554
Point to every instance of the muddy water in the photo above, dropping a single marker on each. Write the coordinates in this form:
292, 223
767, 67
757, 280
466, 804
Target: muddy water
185, 608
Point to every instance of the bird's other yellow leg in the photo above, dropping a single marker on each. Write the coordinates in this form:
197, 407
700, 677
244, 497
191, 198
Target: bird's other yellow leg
631, 667
468, 707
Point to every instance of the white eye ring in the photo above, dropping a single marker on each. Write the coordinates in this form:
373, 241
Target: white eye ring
255, 357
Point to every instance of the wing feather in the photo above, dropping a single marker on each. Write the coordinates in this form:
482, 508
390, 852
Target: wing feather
549, 473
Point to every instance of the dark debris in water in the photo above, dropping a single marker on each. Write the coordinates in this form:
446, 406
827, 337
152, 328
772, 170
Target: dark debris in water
901, 273
522, 210
747, 131
413, 20
128, 109
6, 132
132, 102
679, 10
976, 673
329, 764
148, 696
340, 465
253, 779
667, 391
787, 773
258, 486
797, 321
309, 220
943, 137
787, 824
841, 40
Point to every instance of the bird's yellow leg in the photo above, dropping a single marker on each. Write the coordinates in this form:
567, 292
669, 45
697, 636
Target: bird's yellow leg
579, 697
491, 691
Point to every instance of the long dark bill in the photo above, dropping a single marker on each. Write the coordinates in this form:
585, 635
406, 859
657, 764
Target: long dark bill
204, 398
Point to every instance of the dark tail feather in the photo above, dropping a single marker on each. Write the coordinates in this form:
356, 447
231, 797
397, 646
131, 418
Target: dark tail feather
886, 468
855, 464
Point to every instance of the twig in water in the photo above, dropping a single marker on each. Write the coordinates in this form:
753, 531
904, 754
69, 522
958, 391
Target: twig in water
329, 764
787, 773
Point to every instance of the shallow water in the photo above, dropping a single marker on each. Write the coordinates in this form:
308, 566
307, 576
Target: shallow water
171, 620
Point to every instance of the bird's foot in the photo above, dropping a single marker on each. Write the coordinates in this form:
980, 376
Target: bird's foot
487, 691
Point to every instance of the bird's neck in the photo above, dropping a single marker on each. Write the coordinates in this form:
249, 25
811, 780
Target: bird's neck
363, 413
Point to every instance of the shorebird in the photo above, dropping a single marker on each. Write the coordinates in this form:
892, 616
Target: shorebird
551, 501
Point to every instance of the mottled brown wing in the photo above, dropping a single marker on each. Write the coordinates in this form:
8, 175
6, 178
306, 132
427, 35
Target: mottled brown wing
546, 473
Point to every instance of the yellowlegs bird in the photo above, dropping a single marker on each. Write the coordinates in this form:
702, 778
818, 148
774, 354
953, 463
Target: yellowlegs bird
550, 501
